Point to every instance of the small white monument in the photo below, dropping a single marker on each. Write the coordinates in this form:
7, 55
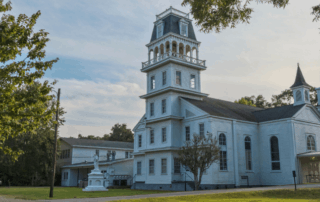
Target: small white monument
95, 178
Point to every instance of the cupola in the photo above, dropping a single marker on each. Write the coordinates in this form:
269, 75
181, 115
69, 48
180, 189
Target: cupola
300, 89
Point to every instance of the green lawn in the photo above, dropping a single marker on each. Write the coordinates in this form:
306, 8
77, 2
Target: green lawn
283, 195
33, 193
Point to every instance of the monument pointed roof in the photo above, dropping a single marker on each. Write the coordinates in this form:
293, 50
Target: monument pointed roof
299, 79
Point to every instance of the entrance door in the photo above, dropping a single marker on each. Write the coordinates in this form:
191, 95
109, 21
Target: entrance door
123, 182
310, 167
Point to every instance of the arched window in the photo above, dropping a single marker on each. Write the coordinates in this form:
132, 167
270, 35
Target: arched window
222, 139
306, 95
275, 157
247, 146
298, 95
311, 143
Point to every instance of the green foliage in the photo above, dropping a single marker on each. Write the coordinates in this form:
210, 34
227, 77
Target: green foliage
34, 165
36, 193
284, 98
22, 101
198, 155
120, 132
219, 14
246, 101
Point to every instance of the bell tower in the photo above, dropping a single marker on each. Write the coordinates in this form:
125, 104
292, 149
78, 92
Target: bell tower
301, 90
173, 66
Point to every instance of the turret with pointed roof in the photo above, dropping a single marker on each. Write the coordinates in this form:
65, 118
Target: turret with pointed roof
300, 89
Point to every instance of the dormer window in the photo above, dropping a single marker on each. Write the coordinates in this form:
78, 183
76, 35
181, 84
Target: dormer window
183, 27
160, 30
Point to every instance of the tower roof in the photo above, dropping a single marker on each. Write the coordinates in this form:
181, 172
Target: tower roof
171, 24
299, 79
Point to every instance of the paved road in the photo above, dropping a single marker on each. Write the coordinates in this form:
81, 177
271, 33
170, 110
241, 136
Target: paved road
167, 194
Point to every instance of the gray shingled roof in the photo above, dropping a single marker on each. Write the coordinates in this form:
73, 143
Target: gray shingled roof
171, 24
276, 113
98, 143
225, 109
233, 110
299, 79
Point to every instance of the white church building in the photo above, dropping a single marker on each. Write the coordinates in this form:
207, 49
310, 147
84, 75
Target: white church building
261, 145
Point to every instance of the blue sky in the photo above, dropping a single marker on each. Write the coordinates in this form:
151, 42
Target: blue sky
101, 45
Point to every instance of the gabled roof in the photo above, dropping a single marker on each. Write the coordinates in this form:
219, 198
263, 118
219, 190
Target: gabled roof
98, 143
243, 112
299, 79
171, 24
225, 109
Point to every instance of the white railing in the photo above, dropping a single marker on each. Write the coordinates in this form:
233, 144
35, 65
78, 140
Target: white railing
174, 11
175, 55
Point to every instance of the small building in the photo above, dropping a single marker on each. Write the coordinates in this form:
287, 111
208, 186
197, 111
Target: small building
76, 161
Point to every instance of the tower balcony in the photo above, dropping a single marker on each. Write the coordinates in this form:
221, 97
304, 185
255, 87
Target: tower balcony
171, 56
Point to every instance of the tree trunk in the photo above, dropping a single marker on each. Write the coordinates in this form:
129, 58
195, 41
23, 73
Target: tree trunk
196, 183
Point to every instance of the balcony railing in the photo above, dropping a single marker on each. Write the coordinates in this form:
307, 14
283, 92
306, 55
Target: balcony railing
172, 10
174, 55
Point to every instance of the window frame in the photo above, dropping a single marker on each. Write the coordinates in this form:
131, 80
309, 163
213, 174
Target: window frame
222, 140
162, 166
164, 106
164, 78
201, 124
194, 82
248, 154
223, 161
153, 82
152, 167
187, 134
175, 165
314, 141
159, 29
164, 129
139, 169
180, 79
151, 109
151, 136
272, 154
139, 140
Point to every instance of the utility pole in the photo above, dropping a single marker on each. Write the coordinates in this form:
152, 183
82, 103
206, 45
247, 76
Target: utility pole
55, 147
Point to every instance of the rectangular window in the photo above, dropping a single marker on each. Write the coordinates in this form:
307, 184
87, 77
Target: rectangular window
187, 133
223, 160
164, 78
127, 154
151, 136
164, 106
184, 30
152, 109
140, 140
193, 81
68, 153
153, 82
163, 166
139, 168
201, 129
151, 166
178, 77
164, 134
176, 165
97, 152
65, 175
159, 31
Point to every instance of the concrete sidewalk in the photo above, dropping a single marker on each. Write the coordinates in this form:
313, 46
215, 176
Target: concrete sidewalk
168, 194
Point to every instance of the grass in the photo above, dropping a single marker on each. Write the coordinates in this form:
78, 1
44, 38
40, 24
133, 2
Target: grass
35, 193
283, 195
